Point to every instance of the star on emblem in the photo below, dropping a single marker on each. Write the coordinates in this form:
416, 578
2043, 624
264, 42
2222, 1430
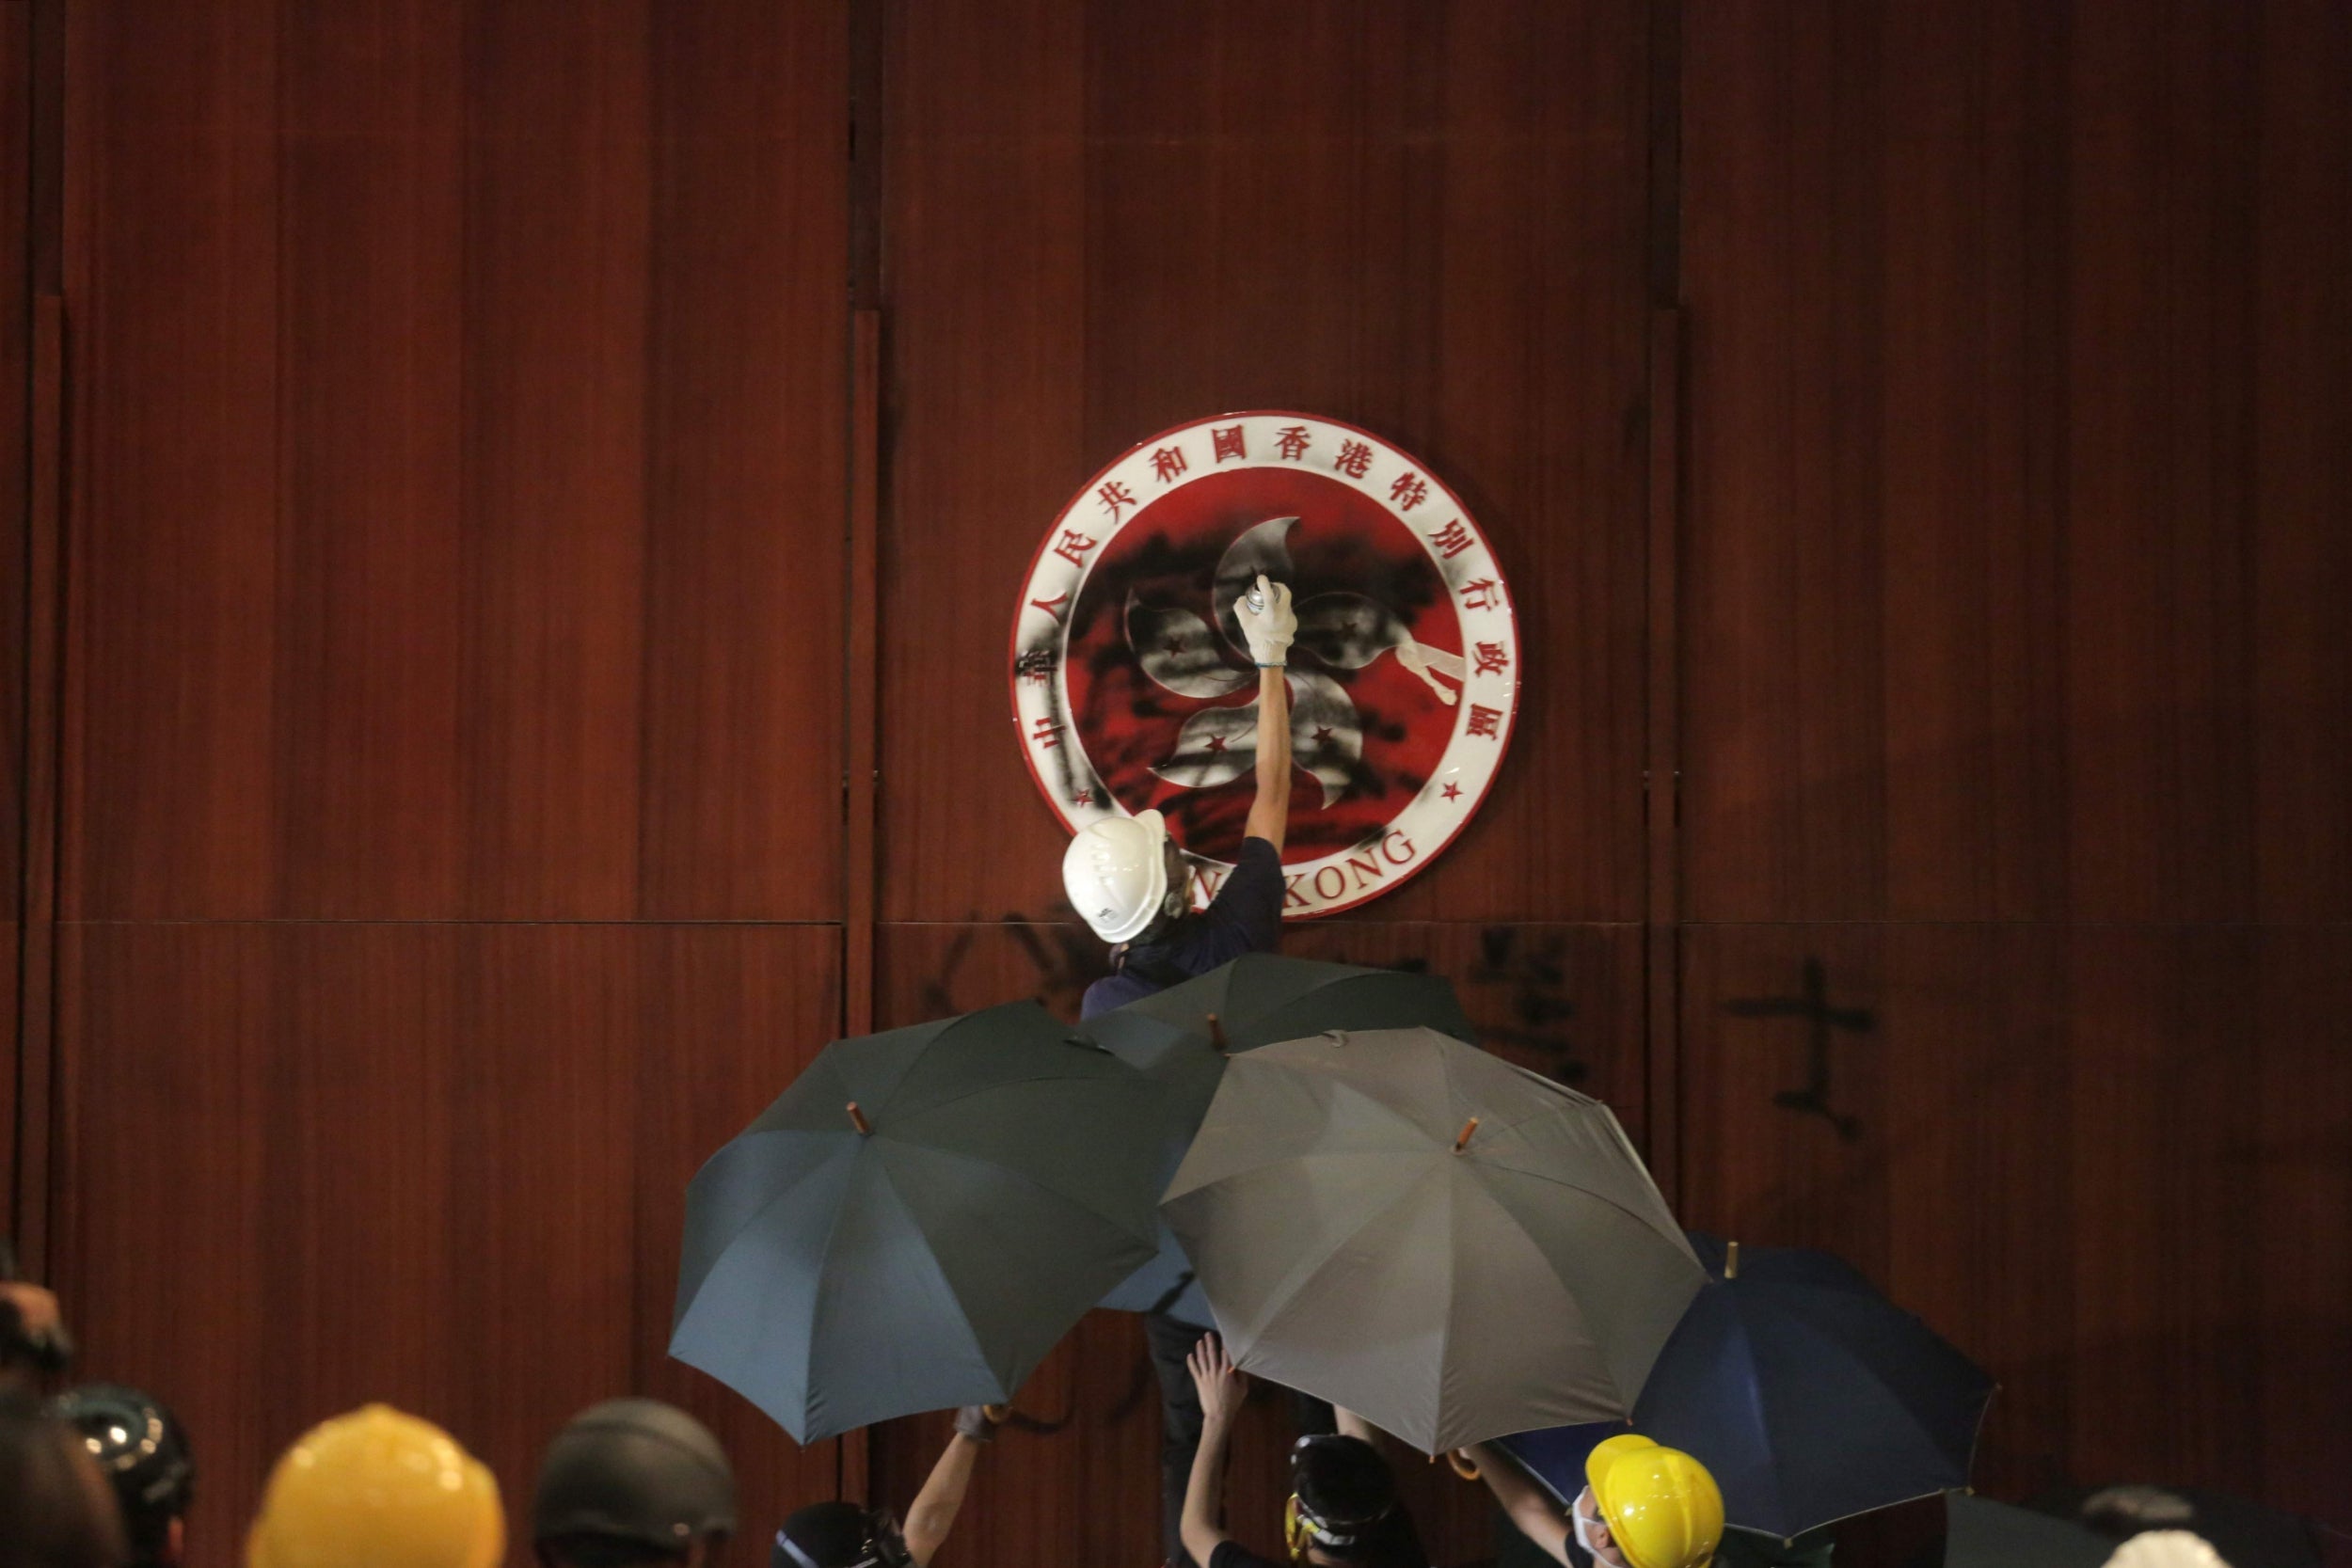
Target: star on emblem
1323, 731
1454, 792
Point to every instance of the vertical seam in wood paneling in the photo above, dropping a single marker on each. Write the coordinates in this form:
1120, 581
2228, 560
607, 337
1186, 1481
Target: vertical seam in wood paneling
1662, 726
863, 722
35, 1102
1662, 1039
863, 69
864, 652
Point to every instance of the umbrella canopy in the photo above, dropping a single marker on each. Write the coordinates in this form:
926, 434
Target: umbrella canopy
917, 1220
1808, 1395
1452, 1246
1256, 1000
1980, 1533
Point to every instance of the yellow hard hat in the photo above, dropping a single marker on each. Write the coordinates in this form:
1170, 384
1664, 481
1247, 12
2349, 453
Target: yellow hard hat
377, 1489
1660, 1505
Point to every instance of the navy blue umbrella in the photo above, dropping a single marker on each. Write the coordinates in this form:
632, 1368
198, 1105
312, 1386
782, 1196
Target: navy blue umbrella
1808, 1396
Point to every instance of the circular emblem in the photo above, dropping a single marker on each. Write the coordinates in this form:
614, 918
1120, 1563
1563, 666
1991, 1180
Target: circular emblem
1133, 688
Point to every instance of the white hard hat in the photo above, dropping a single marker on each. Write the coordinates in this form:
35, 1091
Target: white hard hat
2166, 1549
1115, 873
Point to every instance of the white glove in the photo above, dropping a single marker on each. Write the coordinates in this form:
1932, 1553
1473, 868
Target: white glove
1268, 631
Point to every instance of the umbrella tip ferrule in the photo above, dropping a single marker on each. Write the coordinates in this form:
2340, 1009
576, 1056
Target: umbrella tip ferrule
1731, 1260
1217, 1035
857, 1119
1461, 1141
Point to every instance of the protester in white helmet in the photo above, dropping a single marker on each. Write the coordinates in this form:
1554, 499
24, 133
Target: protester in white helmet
1129, 879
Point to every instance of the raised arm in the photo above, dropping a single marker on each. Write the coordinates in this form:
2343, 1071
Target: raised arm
1268, 632
1221, 1389
1530, 1506
936, 1506
1271, 812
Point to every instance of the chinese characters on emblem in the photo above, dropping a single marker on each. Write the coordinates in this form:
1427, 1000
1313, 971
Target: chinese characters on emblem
1113, 495
1291, 442
1166, 463
1452, 539
1486, 593
1045, 731
1482, 721
1073, 547
1409, 491
1226, 443
1353, 459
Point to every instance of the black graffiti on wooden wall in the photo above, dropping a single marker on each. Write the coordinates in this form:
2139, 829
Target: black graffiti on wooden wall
1812, 1003
1528, 976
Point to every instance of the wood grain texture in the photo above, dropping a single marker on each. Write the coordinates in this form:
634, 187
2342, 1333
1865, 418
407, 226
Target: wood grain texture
2006, 427
1428, 220
2099, 1158
458, 518
19, 504
441, 1165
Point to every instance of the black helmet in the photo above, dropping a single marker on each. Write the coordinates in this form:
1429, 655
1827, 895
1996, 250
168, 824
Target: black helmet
144, 1452
635, 1470
840, 1535
1343, 1500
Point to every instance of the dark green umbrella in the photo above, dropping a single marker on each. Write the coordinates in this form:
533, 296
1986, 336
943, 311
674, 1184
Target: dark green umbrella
1981, 1533
917, 1219
1180, 1038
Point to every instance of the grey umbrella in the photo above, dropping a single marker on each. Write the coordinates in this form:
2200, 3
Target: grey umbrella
1450, 1246
1179, 1038
917, 1219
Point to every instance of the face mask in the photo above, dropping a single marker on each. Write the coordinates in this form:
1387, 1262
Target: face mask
1586, 1529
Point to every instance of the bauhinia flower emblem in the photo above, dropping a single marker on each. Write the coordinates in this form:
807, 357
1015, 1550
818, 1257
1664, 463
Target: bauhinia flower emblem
1337, 631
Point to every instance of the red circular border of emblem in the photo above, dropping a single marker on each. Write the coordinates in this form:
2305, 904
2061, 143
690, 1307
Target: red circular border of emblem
1054, 752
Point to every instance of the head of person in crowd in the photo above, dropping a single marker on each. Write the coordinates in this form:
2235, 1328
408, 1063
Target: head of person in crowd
143, 1452
33, 1338
633, 1484
1646, 1506
1344, 1507
55, 1509
841, 1535
2166, 1549
377, 1488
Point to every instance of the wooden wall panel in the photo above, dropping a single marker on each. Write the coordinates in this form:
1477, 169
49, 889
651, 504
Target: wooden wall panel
16, 334
2003, 528
2302, 464
16, 362
461, 435
1102, 220
2091, 1156
438, 1164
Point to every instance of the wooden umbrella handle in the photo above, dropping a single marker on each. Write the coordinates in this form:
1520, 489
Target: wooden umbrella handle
857, 1119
